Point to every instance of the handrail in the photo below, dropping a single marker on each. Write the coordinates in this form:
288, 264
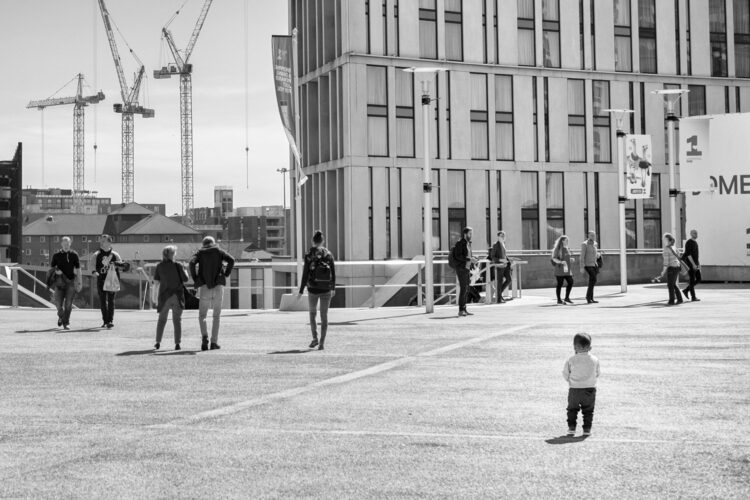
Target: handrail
35, 280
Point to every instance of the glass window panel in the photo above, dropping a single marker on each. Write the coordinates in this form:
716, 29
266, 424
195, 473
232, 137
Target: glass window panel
717, 16
555, 229
479, 142
647, 13
696, 100
504, 93
602, 145
742, 59
529, 190
427, 39
719, 59
377, 136
652, 232
455, 193
377, 91
452, 5
478, 92
550, 10
526, 9
530, 234
428, 4
504, 141
654, 203
631, 236
622, 12
551, 41
623, 54
577, 143
576, 98
742, 16
647, 48
404, 88
405, 137
526, 48
601, 97
454, 42
555, 190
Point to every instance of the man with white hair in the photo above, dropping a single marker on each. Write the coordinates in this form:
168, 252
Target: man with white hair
67, 281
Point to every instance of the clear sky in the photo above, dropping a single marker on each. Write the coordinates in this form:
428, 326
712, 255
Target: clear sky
45, 43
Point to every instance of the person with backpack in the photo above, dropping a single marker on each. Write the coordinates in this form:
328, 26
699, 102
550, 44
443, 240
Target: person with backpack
319, 276
169, 285
210, 267
107, 266
461, 260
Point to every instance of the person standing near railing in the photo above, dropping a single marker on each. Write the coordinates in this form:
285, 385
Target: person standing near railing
462, 261
65, 281
499, 258
589, 265
319, 276
210, 267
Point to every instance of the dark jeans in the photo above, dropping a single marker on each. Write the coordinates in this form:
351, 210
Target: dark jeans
568, 288
106, 302
592, 272
64, 301
502, 279
695, 278
463, 286
674, 291
325, 302
583, 399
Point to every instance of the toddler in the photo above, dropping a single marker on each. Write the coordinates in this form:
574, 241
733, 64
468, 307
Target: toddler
581, 371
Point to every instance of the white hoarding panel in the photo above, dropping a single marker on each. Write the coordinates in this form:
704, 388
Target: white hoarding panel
715, 176
638, 166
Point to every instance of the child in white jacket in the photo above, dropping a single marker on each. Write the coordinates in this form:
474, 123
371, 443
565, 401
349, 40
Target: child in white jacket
581, 372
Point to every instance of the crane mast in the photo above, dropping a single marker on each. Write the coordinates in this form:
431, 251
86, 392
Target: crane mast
182, 67
128, 108
79, 102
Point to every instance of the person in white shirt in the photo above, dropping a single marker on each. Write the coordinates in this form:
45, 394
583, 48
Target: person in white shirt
581, 372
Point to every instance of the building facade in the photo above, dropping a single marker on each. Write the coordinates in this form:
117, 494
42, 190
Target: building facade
11, 214
264, 227
38, 202
519, 136
224, 199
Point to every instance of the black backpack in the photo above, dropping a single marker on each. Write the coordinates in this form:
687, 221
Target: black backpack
320, 270
452, 261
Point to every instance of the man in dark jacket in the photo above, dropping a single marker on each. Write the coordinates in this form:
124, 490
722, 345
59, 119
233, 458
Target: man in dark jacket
690, 257
499, 257
464, 261
106, 259
210, 267
67, 278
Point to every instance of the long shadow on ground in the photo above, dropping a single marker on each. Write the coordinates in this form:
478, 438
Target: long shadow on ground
566, 440
136, 353
294, 351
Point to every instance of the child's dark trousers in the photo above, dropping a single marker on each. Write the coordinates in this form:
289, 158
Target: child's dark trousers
583, 399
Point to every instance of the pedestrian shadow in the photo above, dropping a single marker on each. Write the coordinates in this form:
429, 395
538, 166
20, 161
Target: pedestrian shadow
39, 331
355, 322
293, 351
566, 440
176, 353
84, 330
658, 303
136, 353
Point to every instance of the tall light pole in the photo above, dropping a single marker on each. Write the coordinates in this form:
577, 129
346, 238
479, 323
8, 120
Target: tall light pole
619, 116
283, 172
427, 184
671, 96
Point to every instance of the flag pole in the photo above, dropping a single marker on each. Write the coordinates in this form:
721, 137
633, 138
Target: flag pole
297, 159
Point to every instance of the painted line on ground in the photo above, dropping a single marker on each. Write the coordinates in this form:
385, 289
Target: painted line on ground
338, 380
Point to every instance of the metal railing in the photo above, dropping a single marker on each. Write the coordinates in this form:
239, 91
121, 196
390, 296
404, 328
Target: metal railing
14, 272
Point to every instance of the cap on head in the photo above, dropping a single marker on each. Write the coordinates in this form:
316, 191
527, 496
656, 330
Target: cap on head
582, 340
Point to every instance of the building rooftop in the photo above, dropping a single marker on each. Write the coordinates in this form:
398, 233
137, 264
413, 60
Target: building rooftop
66, 225
132, 209
158, 224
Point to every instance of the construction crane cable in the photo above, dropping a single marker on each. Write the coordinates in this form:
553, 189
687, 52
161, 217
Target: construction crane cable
247, 101
58, 90
132, 52
177, 12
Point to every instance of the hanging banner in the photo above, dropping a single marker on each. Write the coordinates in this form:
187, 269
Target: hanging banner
638, 166
281, 47
715, 177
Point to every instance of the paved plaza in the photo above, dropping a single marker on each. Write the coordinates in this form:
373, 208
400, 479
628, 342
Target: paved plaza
399, 405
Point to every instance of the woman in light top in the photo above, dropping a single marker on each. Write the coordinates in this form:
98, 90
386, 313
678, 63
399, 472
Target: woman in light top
562, 260
671, 268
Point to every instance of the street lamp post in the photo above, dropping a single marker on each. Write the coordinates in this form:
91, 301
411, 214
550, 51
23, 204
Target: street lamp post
283, 172
619, 116
427, 186
671, 96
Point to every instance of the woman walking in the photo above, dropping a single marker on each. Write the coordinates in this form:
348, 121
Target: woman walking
169, 279
671, 269
562, 260
319, 276
107, 260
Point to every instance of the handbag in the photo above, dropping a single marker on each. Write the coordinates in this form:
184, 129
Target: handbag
600, 262
684, 269
111, 282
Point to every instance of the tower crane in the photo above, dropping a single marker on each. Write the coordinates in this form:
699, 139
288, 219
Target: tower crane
129, 107
79, 102
183, 68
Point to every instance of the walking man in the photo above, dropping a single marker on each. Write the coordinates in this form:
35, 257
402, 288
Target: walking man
210, 267
67, 281
690, 257
499, 257
464, 260
106, 260
588, 263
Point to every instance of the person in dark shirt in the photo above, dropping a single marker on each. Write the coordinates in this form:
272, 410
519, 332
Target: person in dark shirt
106, 259
464, 262
690, 257
499, 256
210, 267
169, 279
67, 281
319, 276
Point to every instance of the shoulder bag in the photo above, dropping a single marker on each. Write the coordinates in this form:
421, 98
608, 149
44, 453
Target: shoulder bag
684, 274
